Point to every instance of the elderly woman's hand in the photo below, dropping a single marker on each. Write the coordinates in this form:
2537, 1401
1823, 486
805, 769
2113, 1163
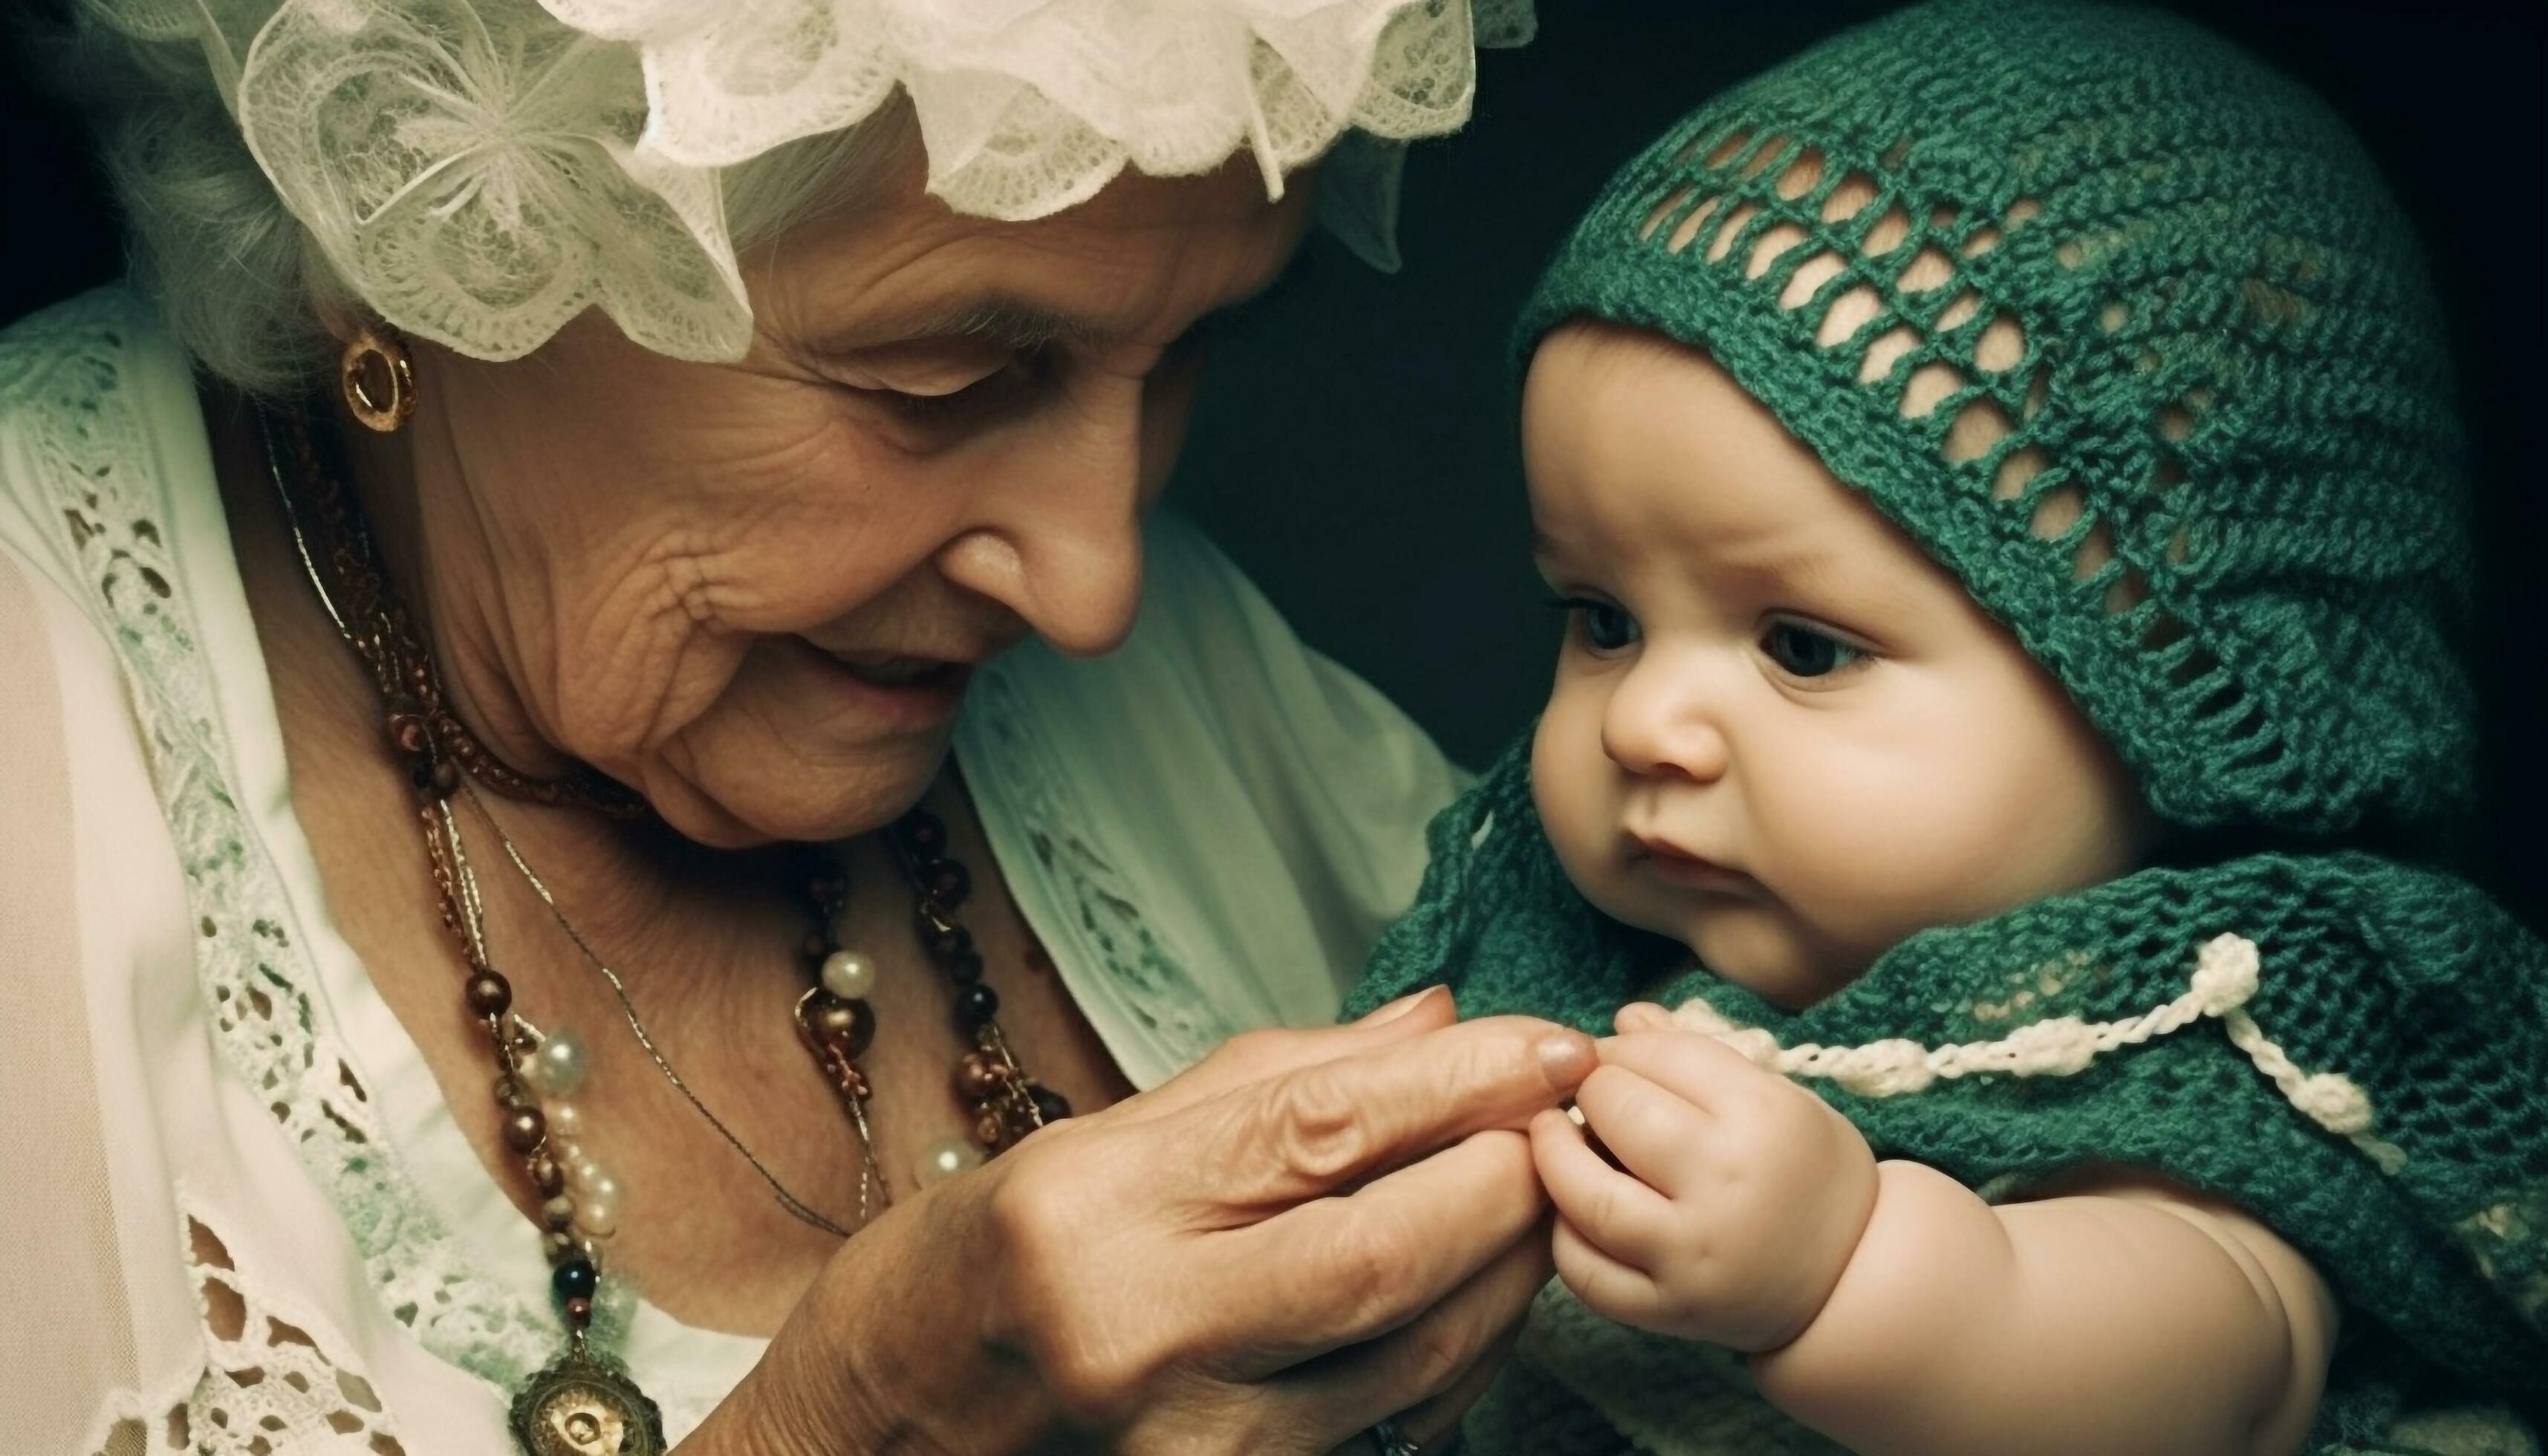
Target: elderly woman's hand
1307, 1233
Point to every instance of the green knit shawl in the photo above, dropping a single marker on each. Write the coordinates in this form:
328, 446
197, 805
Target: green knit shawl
2430, 1221
2153, 367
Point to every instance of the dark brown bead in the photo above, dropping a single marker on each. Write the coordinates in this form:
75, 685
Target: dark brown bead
525, 1129
990, 1132
966, 967
512, 1094
445, 779
978, 1076
488, 993
923, 834
548, 1175
558, 1213
1050, 1105
579, 1312
815, 945
947, 882
846, 1027
944, 942
575, 1279
976, 1005
407, 733
558, 1244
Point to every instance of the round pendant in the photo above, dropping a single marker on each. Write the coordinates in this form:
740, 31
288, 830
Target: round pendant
582, 1403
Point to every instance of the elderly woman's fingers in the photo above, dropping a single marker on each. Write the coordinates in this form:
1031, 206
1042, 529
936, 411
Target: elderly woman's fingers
1340, 1271
1255, 1056
1425, 1374
1309, 1131
1433, 1423
1624, 1217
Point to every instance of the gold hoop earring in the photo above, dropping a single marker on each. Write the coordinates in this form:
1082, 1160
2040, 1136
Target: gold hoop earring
378, 380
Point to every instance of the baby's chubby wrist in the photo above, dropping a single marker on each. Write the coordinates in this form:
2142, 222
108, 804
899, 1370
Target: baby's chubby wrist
1931, 1258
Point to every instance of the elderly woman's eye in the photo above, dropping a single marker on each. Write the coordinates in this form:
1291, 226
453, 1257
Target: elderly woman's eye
923, 390
1605, 625
1808, 651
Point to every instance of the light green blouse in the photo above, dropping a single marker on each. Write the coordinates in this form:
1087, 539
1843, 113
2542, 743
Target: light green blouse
263, 1214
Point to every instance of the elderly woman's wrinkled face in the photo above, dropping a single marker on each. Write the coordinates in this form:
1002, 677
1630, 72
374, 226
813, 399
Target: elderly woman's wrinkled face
755, 591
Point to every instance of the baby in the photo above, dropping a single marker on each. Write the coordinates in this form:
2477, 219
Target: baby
1999, 474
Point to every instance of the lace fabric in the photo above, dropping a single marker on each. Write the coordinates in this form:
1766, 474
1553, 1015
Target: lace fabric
249, 1220
480, 172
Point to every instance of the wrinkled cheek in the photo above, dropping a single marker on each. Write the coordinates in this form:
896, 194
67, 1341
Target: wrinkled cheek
642, 683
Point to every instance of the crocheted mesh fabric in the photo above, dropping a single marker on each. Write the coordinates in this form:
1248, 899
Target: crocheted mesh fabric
2125, 330
2406, 989
2122, 330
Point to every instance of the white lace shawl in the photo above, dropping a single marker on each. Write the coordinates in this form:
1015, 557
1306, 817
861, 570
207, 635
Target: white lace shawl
480, 172
238, 1216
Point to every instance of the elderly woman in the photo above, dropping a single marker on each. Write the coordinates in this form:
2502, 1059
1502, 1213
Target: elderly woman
539, 855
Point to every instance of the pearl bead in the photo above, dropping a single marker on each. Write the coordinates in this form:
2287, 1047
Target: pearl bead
849, 976
597, 1217
568, 1153
557, 1068
566, 1120
600, 1186
947, 1157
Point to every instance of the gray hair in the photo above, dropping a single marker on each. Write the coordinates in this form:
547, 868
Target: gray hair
240, 283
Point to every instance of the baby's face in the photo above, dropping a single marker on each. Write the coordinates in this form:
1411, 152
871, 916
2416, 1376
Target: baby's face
1779, 733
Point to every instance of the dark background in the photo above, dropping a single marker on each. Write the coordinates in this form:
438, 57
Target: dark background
1354, 446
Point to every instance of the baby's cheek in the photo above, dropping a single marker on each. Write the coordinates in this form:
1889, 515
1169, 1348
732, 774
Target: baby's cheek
1574, 785
1871, 843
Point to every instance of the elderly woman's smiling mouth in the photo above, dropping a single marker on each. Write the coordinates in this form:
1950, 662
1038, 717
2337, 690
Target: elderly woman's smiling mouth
898, 690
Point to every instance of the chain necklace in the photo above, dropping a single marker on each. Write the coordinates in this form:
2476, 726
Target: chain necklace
585, 1402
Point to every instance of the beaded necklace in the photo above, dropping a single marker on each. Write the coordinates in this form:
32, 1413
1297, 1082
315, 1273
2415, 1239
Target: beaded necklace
584, 1403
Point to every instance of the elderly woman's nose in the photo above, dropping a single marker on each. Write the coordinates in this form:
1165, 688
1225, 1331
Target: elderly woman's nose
1060, 542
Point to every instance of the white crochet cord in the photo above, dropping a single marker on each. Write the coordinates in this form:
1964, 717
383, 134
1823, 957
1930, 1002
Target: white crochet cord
2225, 980
480, 172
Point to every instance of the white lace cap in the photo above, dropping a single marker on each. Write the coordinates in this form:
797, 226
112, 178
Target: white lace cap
480, 172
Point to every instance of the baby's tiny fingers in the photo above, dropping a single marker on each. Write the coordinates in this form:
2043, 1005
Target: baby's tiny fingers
1608, 1287
1624, 1217
1657, 1135
1698, 1069
1642, 1016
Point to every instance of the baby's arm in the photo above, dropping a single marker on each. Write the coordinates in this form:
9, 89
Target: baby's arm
1890, 1307
2128, 1316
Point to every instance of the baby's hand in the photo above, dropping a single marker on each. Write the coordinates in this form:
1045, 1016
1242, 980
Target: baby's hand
1742, 1199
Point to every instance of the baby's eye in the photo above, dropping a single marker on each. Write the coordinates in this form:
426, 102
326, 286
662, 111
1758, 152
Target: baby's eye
1806, 652
1607, 626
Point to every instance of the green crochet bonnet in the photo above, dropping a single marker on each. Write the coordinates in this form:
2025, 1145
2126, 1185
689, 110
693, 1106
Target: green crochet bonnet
2154, 368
